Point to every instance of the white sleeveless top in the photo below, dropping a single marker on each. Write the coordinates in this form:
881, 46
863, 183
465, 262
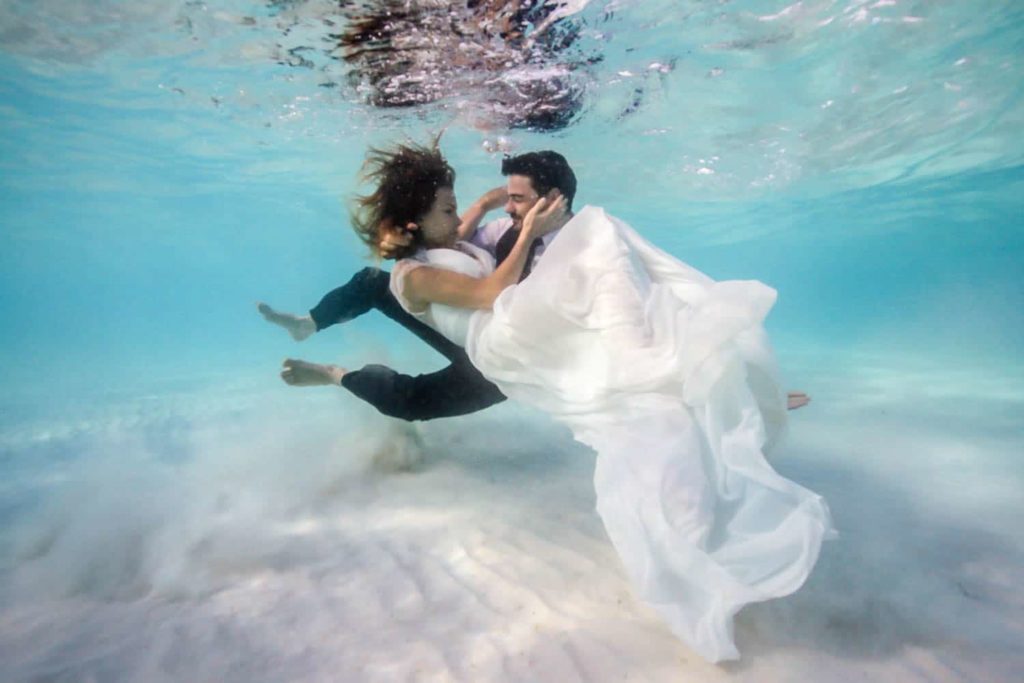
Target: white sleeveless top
468, 259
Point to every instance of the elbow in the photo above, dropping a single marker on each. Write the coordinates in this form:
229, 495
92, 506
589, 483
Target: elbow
489, 294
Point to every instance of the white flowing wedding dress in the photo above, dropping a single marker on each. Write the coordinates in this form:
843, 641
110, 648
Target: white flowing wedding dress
669, 377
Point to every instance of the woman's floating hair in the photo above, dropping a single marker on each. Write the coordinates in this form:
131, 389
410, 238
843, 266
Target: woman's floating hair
406, 179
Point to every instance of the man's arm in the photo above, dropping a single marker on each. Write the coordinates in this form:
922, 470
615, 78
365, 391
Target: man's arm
394, 240
489, 201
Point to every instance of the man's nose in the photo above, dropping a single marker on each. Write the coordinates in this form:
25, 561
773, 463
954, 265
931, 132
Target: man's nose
510, 208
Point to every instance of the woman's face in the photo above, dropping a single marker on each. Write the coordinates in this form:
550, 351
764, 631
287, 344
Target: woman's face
441, 224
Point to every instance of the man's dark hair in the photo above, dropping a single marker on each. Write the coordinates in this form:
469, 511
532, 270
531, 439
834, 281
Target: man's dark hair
546, 170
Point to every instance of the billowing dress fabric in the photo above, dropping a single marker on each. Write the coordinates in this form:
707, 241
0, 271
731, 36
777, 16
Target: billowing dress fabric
669, 377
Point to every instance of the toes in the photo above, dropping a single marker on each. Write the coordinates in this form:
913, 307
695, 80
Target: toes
795, 402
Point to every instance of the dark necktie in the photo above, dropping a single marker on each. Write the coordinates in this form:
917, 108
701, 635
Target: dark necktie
504, 247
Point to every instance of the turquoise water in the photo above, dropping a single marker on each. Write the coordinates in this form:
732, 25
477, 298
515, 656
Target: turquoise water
161, 170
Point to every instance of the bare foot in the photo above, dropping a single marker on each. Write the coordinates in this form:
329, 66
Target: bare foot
796, 399
299, 326
300, 373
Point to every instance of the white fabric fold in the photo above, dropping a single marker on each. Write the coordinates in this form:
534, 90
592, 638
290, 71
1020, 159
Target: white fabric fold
669, 377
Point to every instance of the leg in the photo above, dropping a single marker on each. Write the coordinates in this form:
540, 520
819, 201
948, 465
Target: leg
300, 373
796, 399
458, 389
299, 326
354, 298
370, 289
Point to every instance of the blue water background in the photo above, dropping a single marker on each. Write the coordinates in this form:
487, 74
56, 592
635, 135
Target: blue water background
159, 176
146, 201
166, 165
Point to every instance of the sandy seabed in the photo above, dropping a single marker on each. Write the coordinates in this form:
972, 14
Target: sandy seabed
285, 536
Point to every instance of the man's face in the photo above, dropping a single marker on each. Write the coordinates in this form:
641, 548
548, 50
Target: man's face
521, 198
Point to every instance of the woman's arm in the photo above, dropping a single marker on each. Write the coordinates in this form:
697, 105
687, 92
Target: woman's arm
489, 201
428, 285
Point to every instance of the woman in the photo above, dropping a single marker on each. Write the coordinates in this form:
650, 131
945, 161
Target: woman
665, 373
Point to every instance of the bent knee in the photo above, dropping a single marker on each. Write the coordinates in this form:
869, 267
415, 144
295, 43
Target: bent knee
386, 390
369, 274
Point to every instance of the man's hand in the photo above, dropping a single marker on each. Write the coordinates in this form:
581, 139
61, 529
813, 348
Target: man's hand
493, 199
394, 240
488, 201
547, 215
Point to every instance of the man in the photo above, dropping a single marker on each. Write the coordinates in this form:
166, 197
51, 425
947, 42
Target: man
458, 389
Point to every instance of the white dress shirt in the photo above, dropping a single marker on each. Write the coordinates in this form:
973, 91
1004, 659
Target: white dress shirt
488, 234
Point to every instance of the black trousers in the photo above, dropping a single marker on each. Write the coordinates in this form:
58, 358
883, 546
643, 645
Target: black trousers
456, 390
